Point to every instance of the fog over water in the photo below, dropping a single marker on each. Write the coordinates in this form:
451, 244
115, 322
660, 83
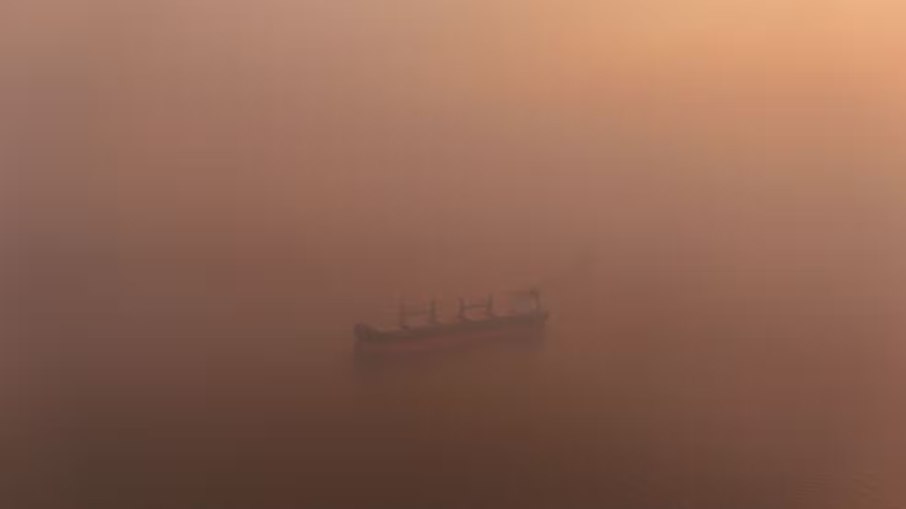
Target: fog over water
200, 199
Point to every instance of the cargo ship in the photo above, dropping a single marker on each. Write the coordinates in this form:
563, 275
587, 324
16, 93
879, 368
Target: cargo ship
476, 322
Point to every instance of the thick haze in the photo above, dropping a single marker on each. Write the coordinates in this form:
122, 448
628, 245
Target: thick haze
193, 189
247, 136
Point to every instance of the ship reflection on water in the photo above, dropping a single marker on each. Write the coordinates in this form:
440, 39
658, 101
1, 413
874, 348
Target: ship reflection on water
494, 345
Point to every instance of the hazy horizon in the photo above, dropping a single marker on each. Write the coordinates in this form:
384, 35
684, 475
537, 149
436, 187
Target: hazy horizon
201, 198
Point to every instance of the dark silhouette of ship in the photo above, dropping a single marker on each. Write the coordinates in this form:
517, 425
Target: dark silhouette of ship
476, 322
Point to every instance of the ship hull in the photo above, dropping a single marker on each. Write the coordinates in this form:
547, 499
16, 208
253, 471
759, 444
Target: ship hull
449, 336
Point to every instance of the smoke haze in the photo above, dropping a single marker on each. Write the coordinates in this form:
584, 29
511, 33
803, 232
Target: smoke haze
199, 200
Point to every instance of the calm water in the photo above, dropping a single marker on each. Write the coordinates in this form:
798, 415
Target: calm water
649, 392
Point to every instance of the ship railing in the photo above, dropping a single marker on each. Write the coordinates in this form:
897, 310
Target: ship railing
518, 302
525, 300
409, 310
485, 304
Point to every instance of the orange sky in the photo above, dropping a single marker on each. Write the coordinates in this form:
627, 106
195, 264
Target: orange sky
289, 103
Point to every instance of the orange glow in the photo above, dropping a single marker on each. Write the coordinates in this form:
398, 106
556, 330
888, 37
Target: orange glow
201, 197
